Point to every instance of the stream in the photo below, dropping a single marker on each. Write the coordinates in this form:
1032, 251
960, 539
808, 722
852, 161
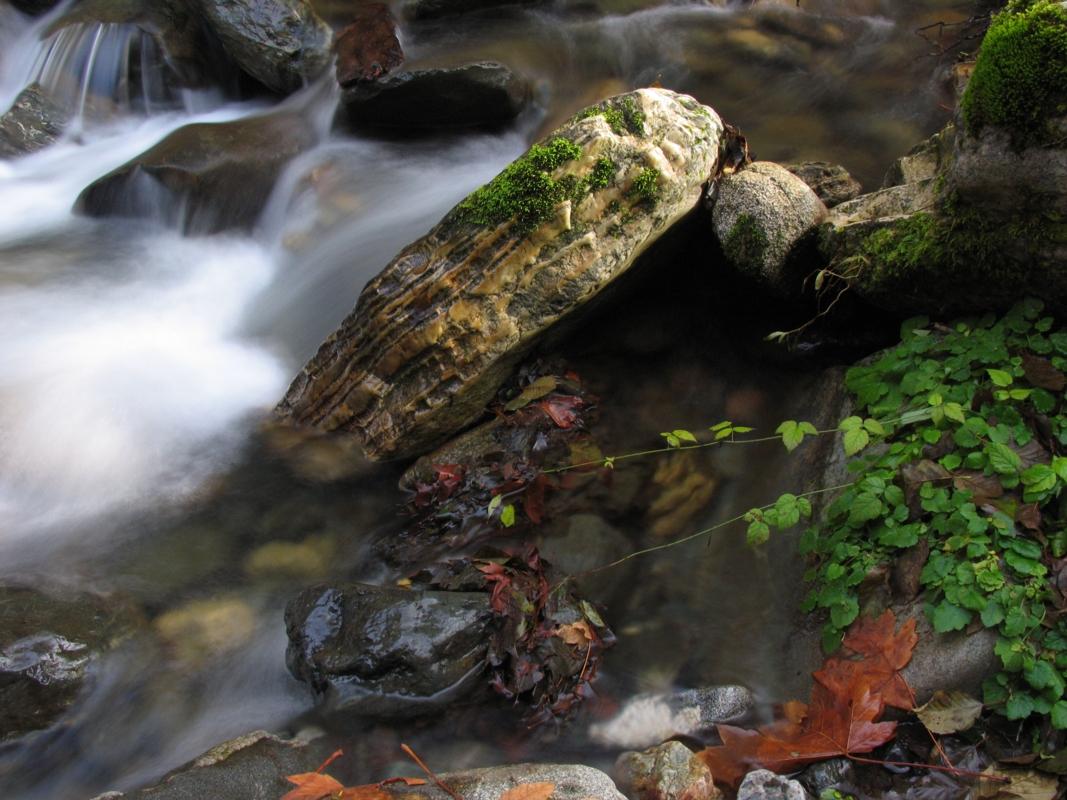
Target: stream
140, 359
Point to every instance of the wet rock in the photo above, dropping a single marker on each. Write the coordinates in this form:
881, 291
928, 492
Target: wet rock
434, 336
831, 183
761, 215
684, 486
32, 123
432, 9
570, 782
34, 6
582, 542
250, 767
310, 558
762, 784
368, 48
380, 651
650, 719
203, 629
829, 774
474, 95
47, 646
670, 771
205, 177
281, 43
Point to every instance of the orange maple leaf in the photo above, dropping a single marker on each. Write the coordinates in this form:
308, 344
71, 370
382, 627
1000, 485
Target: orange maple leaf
846, 700
529, 791
312, 786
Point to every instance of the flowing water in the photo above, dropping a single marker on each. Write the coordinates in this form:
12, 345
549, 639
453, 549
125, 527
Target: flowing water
138, 363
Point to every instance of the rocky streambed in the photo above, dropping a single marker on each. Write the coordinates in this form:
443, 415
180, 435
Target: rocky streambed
489, 281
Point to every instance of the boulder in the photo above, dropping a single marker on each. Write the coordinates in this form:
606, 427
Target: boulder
434, 336
250, 767
207, 176
32, 123
47, 646
649, 719
924, 161
670, 771
569, 782
762, 784
831, 183
283, 44
475, 95
380, 651
368, 48
761, 215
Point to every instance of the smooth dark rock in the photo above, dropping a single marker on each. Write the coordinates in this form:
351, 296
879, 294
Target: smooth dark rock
432, 9
34, 7
832, 183
47, 644
368, 48
381, 651
281, 43
475, 95
206, 177
33, 122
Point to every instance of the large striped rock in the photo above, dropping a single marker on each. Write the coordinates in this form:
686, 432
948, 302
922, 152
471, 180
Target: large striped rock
434, 336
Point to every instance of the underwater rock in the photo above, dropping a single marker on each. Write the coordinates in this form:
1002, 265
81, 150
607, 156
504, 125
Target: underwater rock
34, 7
569, 782
205, 177
831, 183
435, 334
475, 95
762, 784
47, 645
381, 651
432, 9
249, 767
761, 215
670, 771
649, 719
368, 48
32, 123
281, 43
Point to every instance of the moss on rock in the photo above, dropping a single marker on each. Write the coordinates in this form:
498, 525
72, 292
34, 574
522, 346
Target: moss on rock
1020, 78
746, 243
646, 185
621, 114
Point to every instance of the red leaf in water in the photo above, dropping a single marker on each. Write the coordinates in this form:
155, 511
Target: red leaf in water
563, 409
449, 477
533, 502
498, 577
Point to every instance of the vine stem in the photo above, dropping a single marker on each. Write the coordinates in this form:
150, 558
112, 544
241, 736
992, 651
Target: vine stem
444, 787
982, 776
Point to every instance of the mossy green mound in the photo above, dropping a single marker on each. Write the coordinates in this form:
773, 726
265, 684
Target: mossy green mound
1020, 79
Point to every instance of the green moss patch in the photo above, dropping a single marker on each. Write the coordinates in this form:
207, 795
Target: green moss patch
746, 243
646, 185
622, 114
1020, 79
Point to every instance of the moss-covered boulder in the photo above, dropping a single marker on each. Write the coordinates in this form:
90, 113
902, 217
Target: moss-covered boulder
978, 219
761, 216
435, 335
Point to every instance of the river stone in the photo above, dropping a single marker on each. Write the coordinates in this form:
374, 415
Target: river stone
250, 767
206, 176
569, 782
281, 43
32, 123
831, 183
368, 48
47, 645
434, 336
648, 719
381, 651
760, 215
924, 161
481, 94
670, 771
762, 784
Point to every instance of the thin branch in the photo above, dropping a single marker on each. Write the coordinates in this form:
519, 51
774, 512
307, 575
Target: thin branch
444, 787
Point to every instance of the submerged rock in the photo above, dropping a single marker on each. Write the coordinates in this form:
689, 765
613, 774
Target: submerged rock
432, 9
474, 95
34, 6
381, 651
281, 43
33, 122
649, 719
434, 336
761, 215
368, 48
207, 176
762, 784
47, 645
670, 771
569, 782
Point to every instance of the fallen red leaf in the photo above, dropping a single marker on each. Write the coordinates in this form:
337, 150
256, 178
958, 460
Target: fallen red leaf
312, 786
563, 409
848, 697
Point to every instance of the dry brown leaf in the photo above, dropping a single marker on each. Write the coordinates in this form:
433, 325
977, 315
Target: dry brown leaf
577, 633
949, 712
1026, 784
530, 791
535, 391
1040, 372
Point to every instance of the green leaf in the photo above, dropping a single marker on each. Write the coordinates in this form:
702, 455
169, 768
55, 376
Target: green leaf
1019, 706
844, 614
874, 427
1059, 715
954, 412
948, 617
507, 515
792, 436
494, 504
855, 440
758, 533
721, 425
850, 424
864, 508
672, 440
684, 436
743, 429
999, 377
1003, 459
992, 614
